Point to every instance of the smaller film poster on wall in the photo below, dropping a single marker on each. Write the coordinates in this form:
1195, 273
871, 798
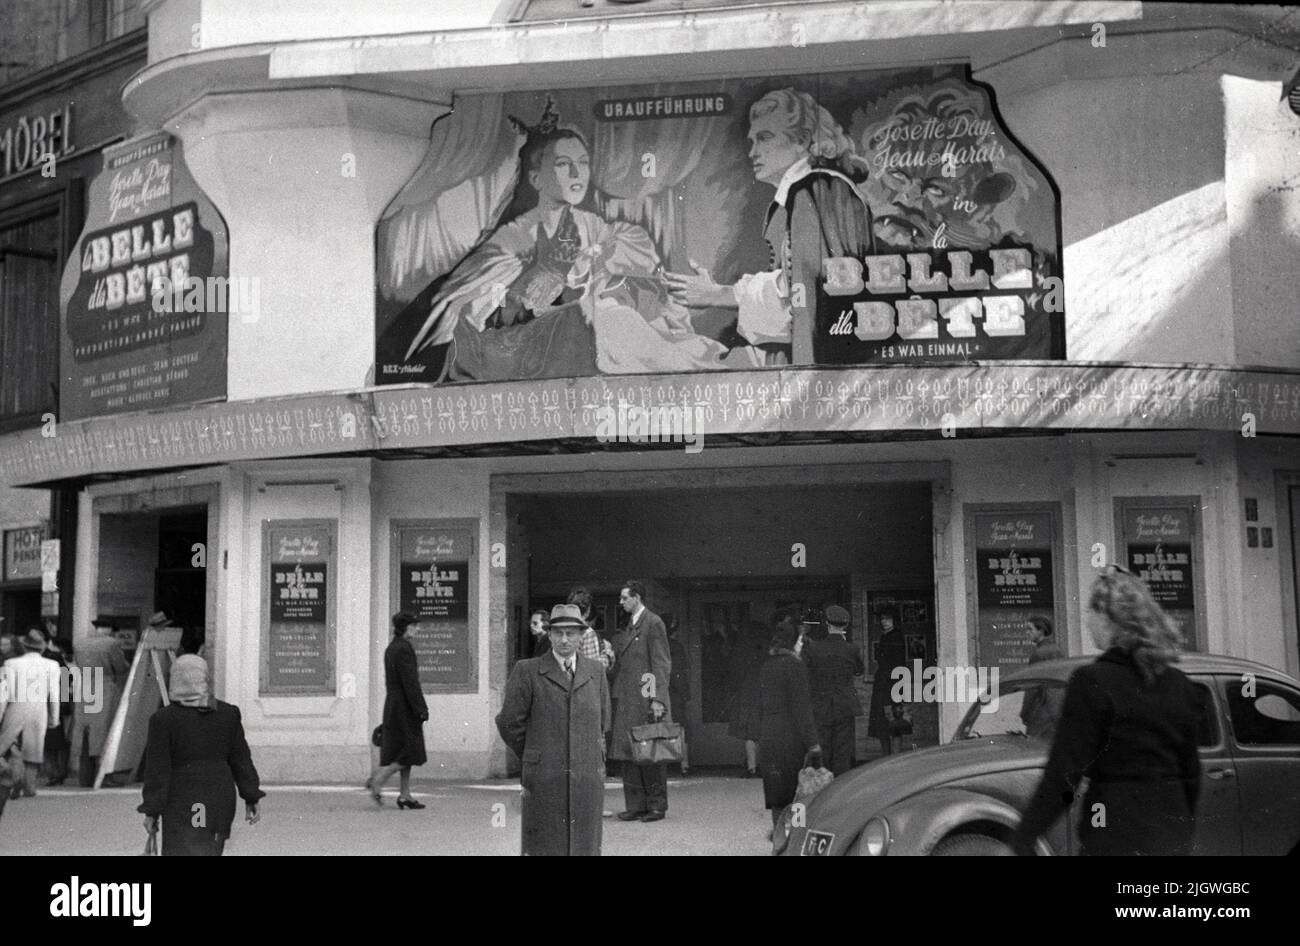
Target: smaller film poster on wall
1159, 551
434, 584
146, 291
298, 641
1013, 581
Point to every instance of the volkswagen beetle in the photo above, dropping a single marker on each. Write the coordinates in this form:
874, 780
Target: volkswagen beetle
965, 797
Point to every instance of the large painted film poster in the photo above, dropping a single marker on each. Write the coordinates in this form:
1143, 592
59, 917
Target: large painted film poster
858, 218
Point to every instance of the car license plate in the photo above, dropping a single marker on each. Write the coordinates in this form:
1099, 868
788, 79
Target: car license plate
816, 844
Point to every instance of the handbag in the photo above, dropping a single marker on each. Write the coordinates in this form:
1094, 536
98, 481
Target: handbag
657, 742
377, 737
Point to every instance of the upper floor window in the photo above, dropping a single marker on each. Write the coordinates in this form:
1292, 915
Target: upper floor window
35, 34
29, 317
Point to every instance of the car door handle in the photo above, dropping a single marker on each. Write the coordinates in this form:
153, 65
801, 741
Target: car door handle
1217, 774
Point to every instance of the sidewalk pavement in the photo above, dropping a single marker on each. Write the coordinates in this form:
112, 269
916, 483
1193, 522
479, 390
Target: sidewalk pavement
707, 815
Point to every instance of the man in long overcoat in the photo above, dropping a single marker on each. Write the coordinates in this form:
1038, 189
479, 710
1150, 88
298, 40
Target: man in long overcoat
642, 672
555, 716
832, 664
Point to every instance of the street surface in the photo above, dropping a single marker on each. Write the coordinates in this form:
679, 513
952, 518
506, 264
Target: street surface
706, 815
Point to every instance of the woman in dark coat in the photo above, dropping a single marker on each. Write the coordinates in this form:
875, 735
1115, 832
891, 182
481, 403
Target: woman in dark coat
196, 760
787, 732
1129, 726
746, 661
890, 653
404, 714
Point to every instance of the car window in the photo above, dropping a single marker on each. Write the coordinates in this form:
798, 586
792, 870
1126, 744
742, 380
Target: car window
1031, 709
1264, 714
1207, 726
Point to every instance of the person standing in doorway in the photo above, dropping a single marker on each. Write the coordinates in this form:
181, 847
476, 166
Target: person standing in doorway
100, 654
748, 652
32, 682
891, 652
538, 628
832, 664
405, 712
679, 683
554, 717
593, 646
642, 672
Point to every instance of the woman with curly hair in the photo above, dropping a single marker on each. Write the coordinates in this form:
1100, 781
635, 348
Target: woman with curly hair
1129, 726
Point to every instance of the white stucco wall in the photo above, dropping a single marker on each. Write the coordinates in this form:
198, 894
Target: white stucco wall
1262, 140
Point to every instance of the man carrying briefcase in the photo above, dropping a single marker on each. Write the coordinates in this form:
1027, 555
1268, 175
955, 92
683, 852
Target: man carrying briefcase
642, 669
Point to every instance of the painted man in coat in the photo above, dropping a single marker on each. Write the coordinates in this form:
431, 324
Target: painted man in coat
555, 716
642, 673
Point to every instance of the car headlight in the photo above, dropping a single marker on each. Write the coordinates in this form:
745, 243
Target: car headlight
781, 833
874, 840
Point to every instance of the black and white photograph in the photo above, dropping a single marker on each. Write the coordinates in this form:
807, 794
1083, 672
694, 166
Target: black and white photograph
651, 428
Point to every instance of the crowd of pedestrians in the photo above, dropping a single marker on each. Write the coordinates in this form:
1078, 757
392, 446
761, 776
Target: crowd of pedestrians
586, 696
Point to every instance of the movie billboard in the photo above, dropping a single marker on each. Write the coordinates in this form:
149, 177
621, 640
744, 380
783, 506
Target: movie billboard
875, 217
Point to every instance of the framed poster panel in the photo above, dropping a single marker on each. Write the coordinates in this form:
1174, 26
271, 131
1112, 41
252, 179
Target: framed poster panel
1014, 567
435, 577
1160, 542
299, 607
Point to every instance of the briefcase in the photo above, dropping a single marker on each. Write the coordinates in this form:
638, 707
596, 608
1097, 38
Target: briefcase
657, 742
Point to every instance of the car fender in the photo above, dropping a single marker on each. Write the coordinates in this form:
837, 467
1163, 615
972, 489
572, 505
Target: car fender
919, 823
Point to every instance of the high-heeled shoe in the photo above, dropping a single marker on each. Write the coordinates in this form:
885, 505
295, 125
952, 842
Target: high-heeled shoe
374, 794
409, 803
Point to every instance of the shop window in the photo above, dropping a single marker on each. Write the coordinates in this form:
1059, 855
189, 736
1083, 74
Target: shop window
29, 318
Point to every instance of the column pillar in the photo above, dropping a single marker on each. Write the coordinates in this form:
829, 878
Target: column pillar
301, 177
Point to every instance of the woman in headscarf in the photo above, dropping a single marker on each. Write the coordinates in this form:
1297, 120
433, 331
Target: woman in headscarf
1128, 725
196, 762
405, 712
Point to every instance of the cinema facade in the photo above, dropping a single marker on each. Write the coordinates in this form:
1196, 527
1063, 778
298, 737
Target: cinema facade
1023, 313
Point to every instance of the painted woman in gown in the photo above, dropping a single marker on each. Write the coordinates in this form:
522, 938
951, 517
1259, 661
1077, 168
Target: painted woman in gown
550, 264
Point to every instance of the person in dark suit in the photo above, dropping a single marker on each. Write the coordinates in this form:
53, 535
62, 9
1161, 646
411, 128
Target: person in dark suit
787, 732
679, 684
554, 717
196, 760
891, 652
832, 664
405, 712
1129, 726
642, 670
540, 640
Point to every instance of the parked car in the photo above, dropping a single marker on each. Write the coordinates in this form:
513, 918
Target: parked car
965, 797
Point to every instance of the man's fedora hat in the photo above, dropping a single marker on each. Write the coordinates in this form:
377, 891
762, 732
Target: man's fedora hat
160, 619
566, 615
103, 621
34, 640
